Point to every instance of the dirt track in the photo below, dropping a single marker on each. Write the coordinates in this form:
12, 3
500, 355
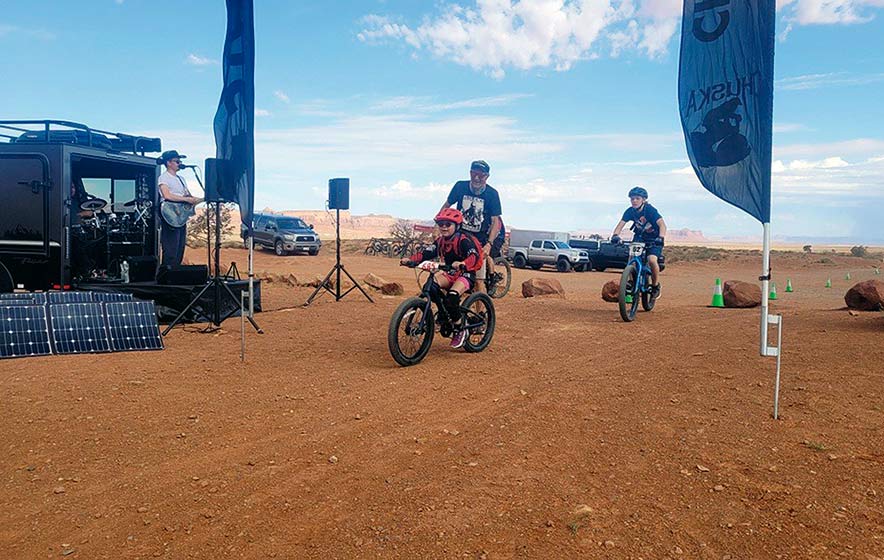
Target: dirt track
661, 428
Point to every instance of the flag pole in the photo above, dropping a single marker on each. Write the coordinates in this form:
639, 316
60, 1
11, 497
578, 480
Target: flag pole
767, 319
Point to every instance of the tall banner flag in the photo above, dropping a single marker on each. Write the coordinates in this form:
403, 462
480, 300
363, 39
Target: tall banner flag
725, 98
235, 118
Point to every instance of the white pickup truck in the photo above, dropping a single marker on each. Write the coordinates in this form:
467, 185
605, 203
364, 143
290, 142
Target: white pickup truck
553, 252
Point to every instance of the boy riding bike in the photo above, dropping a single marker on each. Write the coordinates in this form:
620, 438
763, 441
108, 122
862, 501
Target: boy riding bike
648, 226
462, 252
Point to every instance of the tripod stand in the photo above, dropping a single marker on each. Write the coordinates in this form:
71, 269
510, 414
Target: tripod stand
218, 284
338, 268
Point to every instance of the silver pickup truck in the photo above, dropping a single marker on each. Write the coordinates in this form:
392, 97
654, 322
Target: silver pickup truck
550, 252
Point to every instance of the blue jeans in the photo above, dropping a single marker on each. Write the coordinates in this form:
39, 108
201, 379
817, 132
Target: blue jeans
173, 239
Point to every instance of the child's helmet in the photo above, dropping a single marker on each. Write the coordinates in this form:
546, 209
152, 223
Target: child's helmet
638, 191
449, 215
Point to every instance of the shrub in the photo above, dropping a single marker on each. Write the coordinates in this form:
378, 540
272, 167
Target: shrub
859, 251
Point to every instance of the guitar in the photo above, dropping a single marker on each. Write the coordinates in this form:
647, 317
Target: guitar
176, 214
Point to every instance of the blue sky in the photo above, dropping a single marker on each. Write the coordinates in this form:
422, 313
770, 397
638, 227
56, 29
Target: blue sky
571, 102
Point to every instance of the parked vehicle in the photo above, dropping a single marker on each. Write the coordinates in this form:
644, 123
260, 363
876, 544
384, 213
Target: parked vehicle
284, 234
550, 252
524, 237
602, 254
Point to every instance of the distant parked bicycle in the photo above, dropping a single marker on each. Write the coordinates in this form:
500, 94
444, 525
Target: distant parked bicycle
378, 246
635, 283
414, 323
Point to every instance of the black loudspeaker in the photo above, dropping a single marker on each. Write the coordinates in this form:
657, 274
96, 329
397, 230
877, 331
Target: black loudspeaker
220, 185
142, 269
185, 274
339, 194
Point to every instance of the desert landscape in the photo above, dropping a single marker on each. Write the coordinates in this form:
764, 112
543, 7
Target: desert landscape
574, 435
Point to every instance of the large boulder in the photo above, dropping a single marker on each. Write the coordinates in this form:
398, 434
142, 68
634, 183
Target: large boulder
386, 288
611, 291
741, 294
542, 287
866, 296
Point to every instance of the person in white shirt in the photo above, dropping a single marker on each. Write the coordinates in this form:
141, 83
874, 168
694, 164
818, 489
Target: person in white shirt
174, 189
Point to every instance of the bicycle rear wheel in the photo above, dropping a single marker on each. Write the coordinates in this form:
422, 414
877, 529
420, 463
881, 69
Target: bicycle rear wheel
500, 288
628, 297
411, 332
480, 321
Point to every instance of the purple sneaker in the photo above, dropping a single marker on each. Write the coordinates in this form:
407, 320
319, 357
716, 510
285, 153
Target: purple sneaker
459, 338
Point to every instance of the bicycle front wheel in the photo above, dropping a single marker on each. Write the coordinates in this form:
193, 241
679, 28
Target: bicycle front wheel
411, 332
480, 320
648, 300
628, 297
500, 288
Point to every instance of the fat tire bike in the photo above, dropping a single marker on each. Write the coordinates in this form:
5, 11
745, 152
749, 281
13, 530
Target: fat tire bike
414, 322
635, 283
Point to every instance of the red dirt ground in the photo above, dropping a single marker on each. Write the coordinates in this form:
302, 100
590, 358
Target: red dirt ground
574, 435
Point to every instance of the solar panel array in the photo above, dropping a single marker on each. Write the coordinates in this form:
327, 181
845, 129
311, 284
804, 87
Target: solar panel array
38, 324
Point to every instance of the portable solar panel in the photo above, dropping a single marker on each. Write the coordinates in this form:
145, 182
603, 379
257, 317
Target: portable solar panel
23, 331
78, 327
133, 326
111, 296
56, 298
23, 298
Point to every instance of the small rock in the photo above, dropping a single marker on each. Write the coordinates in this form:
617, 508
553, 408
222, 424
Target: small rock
549, 523
142, 509
358, 417
523, 392
832, 456
333, 459
609, 544
582, 509
68, 551
718, 487
474, 464
701, 468
58, 490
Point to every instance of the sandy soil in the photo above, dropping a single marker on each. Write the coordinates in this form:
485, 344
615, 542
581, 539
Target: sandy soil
573, 436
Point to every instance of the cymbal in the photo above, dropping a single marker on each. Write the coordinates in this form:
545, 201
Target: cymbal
93, 204
135, 201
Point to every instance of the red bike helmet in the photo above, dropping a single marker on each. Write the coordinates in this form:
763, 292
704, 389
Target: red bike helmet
449, 215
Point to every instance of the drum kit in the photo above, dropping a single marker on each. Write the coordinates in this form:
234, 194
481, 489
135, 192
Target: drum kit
107, 238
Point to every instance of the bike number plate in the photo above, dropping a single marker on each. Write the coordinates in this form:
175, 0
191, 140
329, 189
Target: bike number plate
636, 249
429, 265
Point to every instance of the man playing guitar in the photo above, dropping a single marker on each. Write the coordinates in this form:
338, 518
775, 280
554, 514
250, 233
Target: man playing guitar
177, 207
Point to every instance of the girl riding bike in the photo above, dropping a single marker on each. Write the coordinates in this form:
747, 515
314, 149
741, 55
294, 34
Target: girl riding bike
462, 252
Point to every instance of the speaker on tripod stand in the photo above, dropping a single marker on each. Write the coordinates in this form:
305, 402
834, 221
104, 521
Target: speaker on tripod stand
338, 199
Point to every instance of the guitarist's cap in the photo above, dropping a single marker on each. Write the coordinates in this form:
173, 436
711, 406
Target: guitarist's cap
171, 154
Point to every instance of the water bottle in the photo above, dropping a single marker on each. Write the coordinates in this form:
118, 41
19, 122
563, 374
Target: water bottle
124, 271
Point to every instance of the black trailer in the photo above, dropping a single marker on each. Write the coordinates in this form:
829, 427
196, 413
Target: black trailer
73, 195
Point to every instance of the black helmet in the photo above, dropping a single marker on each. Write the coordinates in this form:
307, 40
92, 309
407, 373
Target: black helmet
638, 191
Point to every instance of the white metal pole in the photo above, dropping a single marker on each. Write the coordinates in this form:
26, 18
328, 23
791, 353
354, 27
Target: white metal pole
765, 281
251, 269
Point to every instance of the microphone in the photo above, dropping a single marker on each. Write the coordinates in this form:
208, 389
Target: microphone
184, 166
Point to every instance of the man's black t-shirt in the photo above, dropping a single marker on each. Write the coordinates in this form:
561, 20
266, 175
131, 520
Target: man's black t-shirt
477, 209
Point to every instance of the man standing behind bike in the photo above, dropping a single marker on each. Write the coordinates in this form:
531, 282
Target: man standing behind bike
648, 226
480, 205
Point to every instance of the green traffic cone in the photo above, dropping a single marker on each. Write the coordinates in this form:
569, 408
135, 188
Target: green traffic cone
717, 297
773, 291
828, 282
877, 270
789, 285
847, 276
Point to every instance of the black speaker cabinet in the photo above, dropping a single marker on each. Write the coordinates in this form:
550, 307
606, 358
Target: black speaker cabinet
339, 194
142, 269
220, 185
185, 274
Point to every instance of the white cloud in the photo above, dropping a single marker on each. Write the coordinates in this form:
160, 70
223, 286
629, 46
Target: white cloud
32, 33
821, 12
196, 60
262, 113
528, 34
281, 95
832, 79
404, 189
